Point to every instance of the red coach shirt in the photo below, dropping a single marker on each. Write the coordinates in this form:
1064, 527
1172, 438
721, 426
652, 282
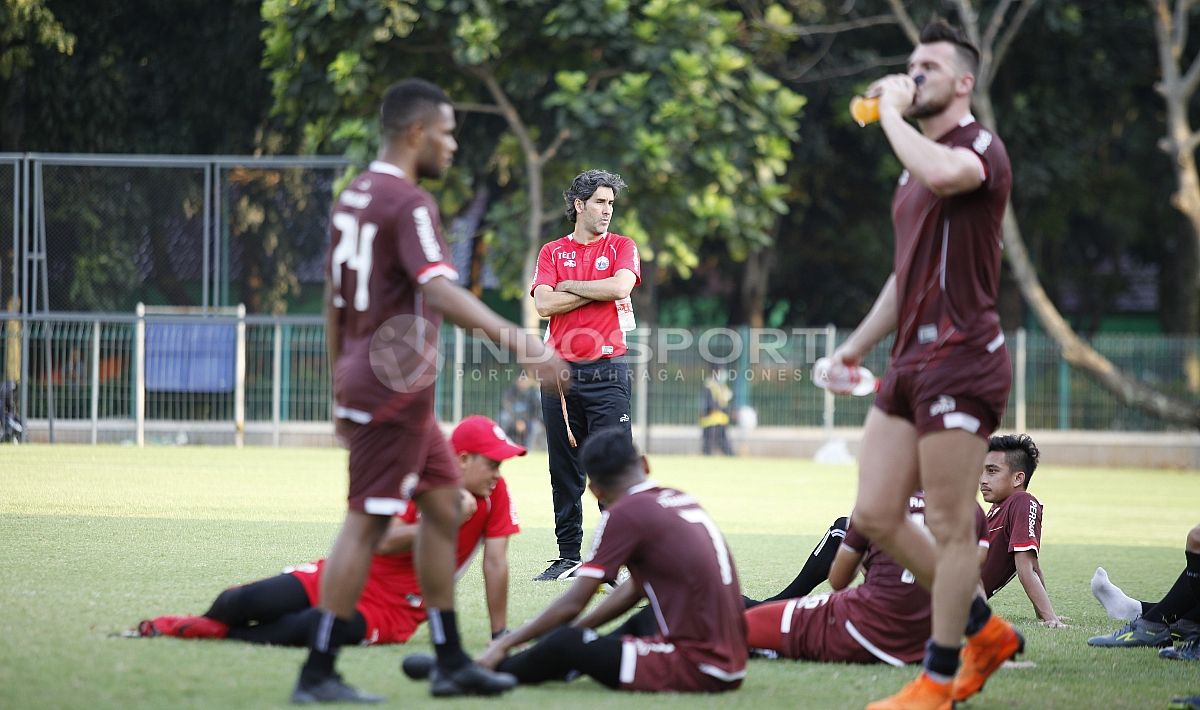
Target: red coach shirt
385, 242
679, 559
1013, 526
947, 257
590, 332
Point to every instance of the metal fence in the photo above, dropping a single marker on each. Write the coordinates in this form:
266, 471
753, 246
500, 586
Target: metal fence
117, 373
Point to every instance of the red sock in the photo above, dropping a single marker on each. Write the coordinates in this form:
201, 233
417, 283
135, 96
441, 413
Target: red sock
764, 623
190, 627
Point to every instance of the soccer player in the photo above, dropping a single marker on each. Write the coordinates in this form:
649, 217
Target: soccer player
884, 619
1175, 616
279, 610
1014, 523
582, 285
947, 382
677, 559
388, 286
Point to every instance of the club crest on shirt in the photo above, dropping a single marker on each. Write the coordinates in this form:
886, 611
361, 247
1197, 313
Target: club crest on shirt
602, 263
944, 405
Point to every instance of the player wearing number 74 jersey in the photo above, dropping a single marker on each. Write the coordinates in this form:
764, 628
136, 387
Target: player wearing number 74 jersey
677, 560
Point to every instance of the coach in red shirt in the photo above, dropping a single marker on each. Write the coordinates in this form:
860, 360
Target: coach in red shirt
582, 285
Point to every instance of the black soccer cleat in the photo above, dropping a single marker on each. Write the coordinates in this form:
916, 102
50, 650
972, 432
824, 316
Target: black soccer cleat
331, 689
558, 570
418, 666
471, 679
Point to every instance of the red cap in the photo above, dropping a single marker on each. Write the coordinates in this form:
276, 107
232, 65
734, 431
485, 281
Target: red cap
479, 435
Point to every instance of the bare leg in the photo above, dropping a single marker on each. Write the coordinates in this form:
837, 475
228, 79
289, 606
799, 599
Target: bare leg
346, 567
437, 538
950, 461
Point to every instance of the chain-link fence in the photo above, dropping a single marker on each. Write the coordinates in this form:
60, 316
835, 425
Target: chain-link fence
117, 372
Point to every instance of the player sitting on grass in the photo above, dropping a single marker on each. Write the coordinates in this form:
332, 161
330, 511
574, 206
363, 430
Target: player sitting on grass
1176, 617
677, 559
884, 619
279, 610
1014, 523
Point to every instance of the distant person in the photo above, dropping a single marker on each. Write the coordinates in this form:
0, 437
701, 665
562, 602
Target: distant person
583, 285
1014, 523
947, 381
883, 620
1174, 617
714, 414
279, 610
388, 286
678, 562
519, 411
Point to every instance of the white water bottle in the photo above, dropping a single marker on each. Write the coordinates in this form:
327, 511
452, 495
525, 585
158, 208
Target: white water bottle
842, 379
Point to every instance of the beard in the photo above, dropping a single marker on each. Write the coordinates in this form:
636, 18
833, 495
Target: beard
930, 106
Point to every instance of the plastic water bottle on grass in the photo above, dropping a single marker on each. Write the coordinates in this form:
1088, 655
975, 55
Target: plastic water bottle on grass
843, 379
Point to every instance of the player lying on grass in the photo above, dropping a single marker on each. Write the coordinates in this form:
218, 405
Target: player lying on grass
279, 610
677, 559
884, 619
1175, 617
1014, 523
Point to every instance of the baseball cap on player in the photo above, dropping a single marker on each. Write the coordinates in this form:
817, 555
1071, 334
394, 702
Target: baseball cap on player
477, 434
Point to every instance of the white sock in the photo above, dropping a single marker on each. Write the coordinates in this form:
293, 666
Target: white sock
1118, 604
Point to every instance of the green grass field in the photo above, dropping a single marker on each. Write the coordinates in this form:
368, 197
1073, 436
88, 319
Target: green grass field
96, 538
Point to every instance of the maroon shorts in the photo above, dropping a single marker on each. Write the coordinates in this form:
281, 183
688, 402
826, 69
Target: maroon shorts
968, 392
390, 465
654, 665
820, 627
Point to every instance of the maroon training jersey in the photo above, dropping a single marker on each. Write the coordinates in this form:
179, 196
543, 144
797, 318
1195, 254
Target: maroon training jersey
385, 242
679, 559
591, 331
947, 257
1013, 526
889, 613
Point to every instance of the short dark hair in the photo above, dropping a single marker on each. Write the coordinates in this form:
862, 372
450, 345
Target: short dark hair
608, 454
938, 30
585, 185
408, 101
1020, 453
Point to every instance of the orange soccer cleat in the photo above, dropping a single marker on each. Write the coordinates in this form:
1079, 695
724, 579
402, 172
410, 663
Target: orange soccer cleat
924, 693
985, 652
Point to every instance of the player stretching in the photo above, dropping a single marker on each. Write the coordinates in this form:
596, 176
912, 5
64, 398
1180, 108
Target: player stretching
389, 285
279, 610
948, 379
677, 560
1014, 523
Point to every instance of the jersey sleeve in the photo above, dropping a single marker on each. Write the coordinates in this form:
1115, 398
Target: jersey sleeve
422, 251
615, 540
981, 528
855, 540
993, 159
1024, 524
628, 258
502, 516
546, 273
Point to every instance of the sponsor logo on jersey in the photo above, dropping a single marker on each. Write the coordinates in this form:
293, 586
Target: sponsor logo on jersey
944, 404
602, 263
355, 199
429, 242
569, 263
565, 255
1033, 511
927, 333
982, 141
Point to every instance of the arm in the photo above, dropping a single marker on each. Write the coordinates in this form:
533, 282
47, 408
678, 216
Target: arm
613, 288
880, 321
495, 581
1030, 575
844, 567
399, 537
549, 302
462, 308
333, 330
619, 601
561, 611
944, 170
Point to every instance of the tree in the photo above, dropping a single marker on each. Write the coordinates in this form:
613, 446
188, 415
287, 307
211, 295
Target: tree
25, 25
656, 90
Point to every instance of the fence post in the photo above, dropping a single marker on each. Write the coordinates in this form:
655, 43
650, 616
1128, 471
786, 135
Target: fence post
239, 379
276, 382
95, 380
1021, 369
139, 383
460, 355
1064, 393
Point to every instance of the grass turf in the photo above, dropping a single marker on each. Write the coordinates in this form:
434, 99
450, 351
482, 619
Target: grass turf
96, 538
